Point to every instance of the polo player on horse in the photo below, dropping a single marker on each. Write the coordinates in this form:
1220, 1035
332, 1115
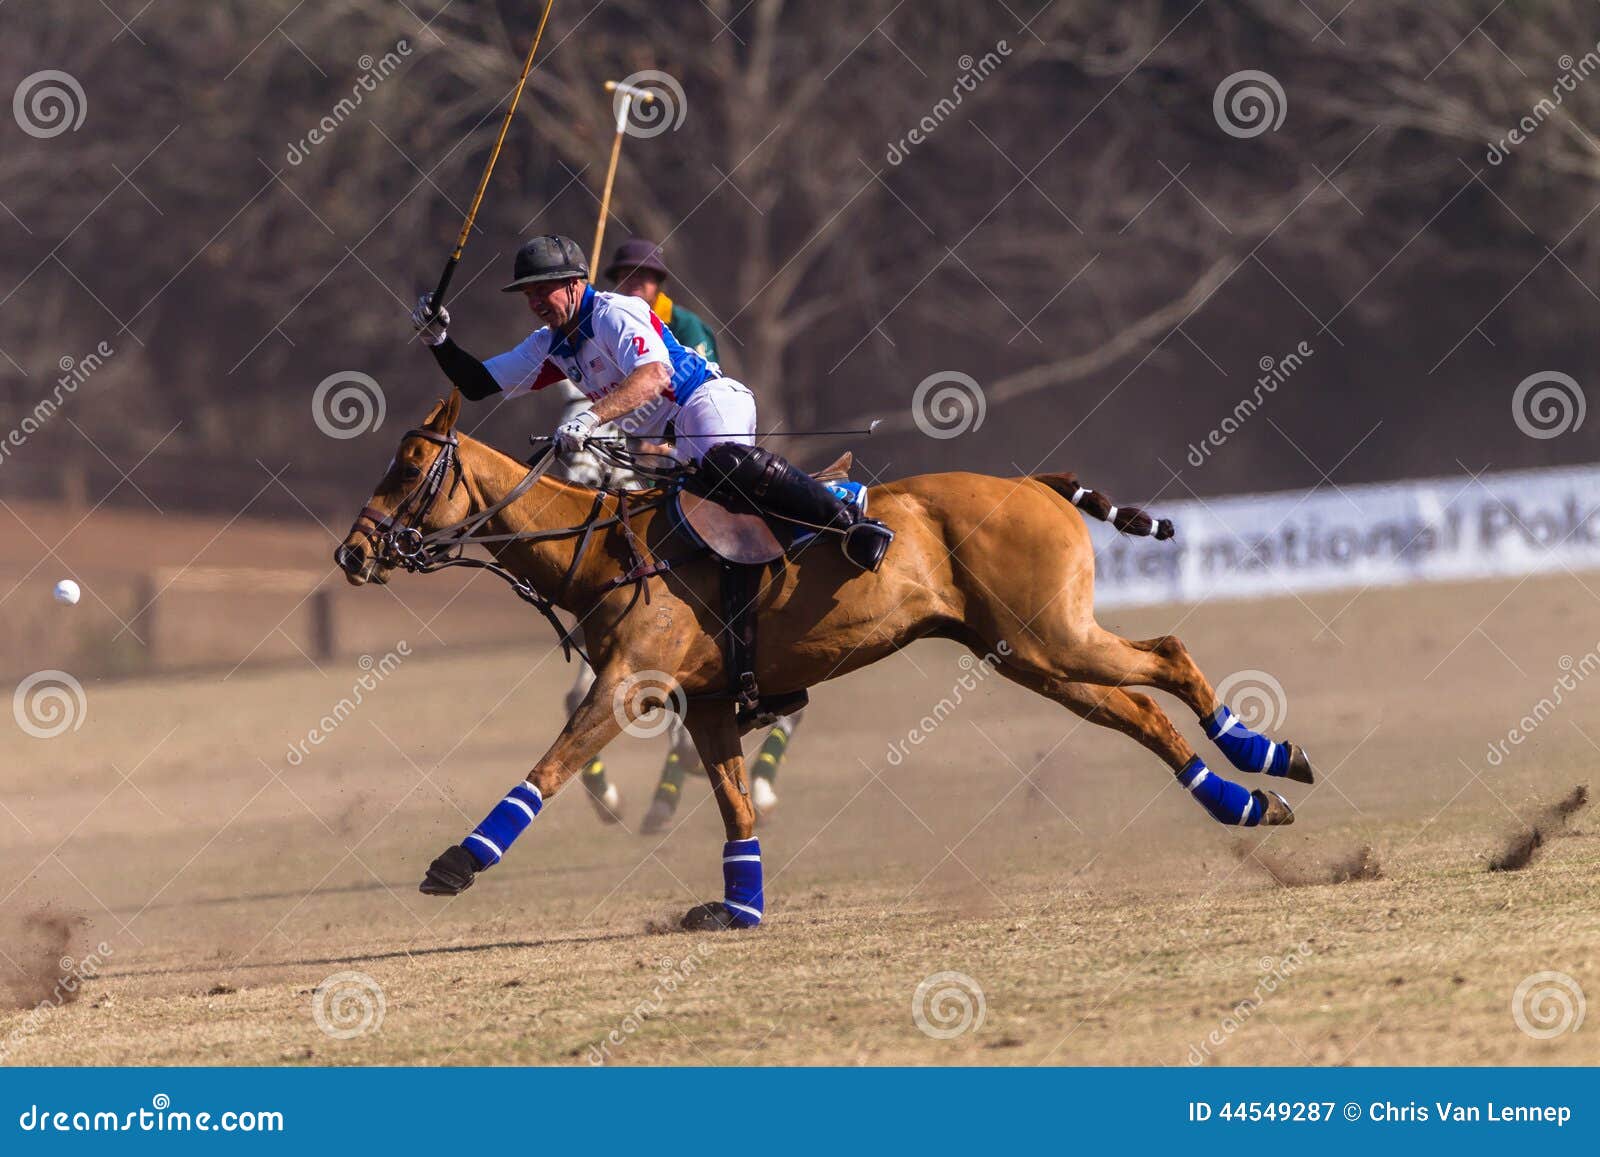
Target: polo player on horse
637, 269
637, 373
950, 577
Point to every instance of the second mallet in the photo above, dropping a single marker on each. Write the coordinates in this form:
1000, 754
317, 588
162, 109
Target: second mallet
626, 95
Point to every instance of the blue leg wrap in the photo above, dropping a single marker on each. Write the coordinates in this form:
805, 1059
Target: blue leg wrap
1246, 750
501, 827
741, 880
1227, 802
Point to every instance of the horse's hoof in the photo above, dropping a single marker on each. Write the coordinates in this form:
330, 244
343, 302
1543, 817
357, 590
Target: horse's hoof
1275, 810
1299, 765
763, 796
607, 804
451, 874
712, 917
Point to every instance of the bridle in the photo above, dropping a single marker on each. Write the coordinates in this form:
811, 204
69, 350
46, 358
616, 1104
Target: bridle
398, 538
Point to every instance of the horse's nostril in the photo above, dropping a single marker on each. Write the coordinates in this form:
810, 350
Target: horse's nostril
347, 559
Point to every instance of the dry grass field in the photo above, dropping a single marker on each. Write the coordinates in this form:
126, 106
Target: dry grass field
1104, 918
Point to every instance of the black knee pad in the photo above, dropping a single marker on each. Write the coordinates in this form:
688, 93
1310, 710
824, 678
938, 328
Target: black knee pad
751, 478
738, 475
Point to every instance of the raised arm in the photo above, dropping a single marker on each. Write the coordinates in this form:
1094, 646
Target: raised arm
469, 375
465, 372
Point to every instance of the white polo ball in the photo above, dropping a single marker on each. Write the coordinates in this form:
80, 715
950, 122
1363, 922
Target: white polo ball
67, 592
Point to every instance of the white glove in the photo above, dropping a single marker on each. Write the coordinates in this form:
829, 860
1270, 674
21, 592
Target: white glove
430, 328
574, 432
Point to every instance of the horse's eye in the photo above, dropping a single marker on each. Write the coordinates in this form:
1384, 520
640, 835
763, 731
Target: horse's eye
411, 473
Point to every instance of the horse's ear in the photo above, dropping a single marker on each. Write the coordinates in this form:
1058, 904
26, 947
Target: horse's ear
442, 419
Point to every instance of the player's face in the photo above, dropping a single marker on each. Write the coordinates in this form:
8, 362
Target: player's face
641, 283
555, 302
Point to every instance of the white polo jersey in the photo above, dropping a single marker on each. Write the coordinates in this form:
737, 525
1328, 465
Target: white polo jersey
616, 334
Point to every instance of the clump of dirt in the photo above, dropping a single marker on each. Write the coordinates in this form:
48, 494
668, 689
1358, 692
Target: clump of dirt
39, 943
1522, 845
1294, 870
344, 824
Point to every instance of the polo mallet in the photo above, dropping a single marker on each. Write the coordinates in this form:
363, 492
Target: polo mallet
863, 431
437, 300
627, 92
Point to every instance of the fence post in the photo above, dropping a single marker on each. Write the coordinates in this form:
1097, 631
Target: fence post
324, 641
146, 593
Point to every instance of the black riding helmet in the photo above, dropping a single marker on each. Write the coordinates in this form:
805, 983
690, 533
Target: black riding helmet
547, 258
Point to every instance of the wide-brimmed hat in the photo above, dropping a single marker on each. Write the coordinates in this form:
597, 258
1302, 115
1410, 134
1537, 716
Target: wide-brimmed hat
550, 257
636, 253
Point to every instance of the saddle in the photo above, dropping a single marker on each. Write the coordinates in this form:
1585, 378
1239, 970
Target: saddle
746, 542
743, 537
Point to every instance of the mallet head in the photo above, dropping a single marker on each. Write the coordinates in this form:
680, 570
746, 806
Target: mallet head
644, 95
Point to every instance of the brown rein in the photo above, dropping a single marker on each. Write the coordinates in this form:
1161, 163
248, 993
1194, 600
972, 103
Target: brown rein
399, 539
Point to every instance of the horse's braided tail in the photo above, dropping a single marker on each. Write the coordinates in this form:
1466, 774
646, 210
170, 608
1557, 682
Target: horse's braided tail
1127, 519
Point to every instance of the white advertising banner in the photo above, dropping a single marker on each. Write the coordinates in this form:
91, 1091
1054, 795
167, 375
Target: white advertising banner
1386, 534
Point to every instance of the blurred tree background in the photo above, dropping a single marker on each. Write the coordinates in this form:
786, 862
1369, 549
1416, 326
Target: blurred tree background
1078, 232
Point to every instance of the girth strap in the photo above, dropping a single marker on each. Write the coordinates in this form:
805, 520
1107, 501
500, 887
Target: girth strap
740, 587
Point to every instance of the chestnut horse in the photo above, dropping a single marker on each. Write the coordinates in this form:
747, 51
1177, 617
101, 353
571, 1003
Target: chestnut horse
1004, 566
